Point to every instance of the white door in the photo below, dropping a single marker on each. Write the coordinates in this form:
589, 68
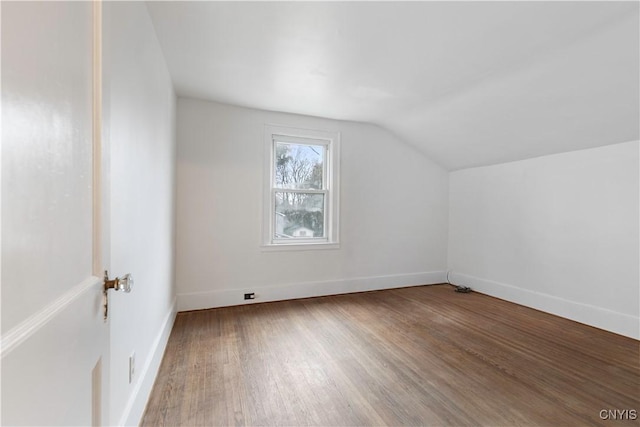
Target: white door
55, 341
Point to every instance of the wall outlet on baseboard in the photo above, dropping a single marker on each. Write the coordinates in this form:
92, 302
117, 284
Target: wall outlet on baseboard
251, 295
132, 366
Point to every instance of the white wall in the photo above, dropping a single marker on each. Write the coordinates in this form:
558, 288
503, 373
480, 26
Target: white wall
140, 121
393, 216
558, 233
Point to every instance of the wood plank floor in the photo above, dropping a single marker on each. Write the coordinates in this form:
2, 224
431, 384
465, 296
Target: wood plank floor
413, 356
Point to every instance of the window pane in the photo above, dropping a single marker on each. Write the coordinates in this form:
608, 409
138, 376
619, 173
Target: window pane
299, 166
299, 215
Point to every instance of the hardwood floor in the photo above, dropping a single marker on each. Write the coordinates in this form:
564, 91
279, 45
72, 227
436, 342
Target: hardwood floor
413, 356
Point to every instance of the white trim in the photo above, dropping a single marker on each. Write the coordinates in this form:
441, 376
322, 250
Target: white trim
228, 297
137, 403
1, 210
30, 326
298, 190
286, 138
609, 320
331, 181
299, 246
96, 259
284, 130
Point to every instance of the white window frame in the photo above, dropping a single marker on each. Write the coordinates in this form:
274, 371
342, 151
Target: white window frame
331, 141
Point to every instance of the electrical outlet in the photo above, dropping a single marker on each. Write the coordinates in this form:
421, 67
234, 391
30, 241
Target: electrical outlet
250, 296
132, 366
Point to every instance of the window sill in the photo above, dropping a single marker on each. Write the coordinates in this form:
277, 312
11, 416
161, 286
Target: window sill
275, 247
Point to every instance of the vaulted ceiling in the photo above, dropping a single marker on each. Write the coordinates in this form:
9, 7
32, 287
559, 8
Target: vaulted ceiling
467, 83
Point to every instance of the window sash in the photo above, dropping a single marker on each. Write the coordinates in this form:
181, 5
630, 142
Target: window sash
325, 218
326, 165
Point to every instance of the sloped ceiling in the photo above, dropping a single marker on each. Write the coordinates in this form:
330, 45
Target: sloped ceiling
467, 83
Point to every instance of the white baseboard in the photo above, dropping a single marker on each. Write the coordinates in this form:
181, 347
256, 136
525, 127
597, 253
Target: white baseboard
137, 403
598, 317
211, 299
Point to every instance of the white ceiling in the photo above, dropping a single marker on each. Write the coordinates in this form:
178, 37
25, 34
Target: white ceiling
468, 83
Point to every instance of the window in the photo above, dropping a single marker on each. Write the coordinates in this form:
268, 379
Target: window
301, 191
